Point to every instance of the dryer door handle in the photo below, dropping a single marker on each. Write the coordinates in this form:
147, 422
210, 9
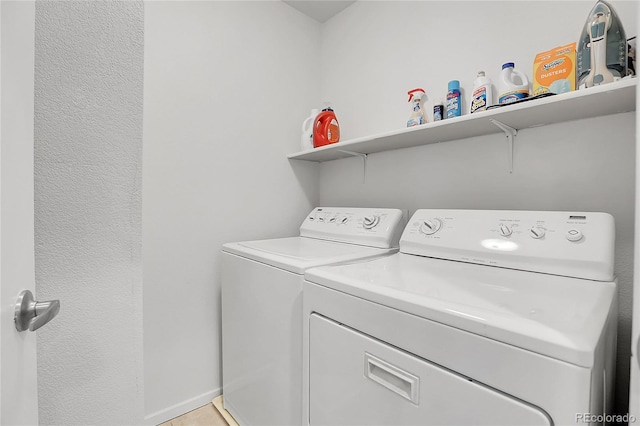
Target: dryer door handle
392, 377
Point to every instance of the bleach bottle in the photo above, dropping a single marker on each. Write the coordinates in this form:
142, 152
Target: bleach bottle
513, 84
307, 131
482, 97
417, 117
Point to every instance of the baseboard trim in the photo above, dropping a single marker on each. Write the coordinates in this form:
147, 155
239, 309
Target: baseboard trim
181, 408
218, 403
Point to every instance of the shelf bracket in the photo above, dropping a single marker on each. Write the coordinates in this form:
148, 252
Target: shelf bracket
510, 133
363, 157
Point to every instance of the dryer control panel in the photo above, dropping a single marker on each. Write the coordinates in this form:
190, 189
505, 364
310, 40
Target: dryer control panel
364, 226
575, 244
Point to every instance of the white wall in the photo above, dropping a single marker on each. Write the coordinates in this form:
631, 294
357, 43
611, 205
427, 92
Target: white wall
18, 384
375, 51
227, 86
380, 50
88, 152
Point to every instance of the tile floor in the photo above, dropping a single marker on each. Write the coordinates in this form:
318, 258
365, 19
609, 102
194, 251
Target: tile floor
207, 415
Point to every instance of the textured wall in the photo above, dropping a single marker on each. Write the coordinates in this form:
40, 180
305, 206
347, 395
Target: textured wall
88, 159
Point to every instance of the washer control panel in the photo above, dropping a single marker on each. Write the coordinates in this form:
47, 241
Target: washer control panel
576, 244
356, 225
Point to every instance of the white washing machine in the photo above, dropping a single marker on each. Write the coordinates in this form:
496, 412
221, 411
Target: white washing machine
262, 305
482, 318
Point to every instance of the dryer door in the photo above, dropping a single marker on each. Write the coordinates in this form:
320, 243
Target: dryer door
355, 380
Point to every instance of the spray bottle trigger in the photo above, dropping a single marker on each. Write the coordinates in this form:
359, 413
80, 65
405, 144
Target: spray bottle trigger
411, 93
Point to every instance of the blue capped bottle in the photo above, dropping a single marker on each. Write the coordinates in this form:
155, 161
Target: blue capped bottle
513, 84
454, 104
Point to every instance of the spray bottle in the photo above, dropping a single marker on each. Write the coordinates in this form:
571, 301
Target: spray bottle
417, 116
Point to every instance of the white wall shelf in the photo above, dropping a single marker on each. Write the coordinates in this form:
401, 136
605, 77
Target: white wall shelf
598, 101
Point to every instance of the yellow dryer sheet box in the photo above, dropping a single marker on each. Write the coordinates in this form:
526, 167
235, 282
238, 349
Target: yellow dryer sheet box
555, 70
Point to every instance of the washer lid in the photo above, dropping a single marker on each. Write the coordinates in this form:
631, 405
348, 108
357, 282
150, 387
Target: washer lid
560, 317
296, 254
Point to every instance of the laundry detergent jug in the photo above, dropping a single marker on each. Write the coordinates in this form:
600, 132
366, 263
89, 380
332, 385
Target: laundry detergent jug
326, 129
513, 84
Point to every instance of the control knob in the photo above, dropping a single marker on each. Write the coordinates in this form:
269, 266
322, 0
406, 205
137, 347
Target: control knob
430, 226
574, 235
505, 230
370, 221
536, 232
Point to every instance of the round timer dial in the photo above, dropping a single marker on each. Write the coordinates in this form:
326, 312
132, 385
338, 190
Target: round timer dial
536, 232
430, 226
370, 221
505, 230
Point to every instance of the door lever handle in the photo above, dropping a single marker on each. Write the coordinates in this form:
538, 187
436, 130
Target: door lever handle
31, 315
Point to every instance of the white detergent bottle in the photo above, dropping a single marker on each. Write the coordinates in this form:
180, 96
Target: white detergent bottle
307, 130
513, 84
482, 96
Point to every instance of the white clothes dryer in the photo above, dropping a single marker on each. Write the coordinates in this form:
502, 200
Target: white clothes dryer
482, 318
262, 305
